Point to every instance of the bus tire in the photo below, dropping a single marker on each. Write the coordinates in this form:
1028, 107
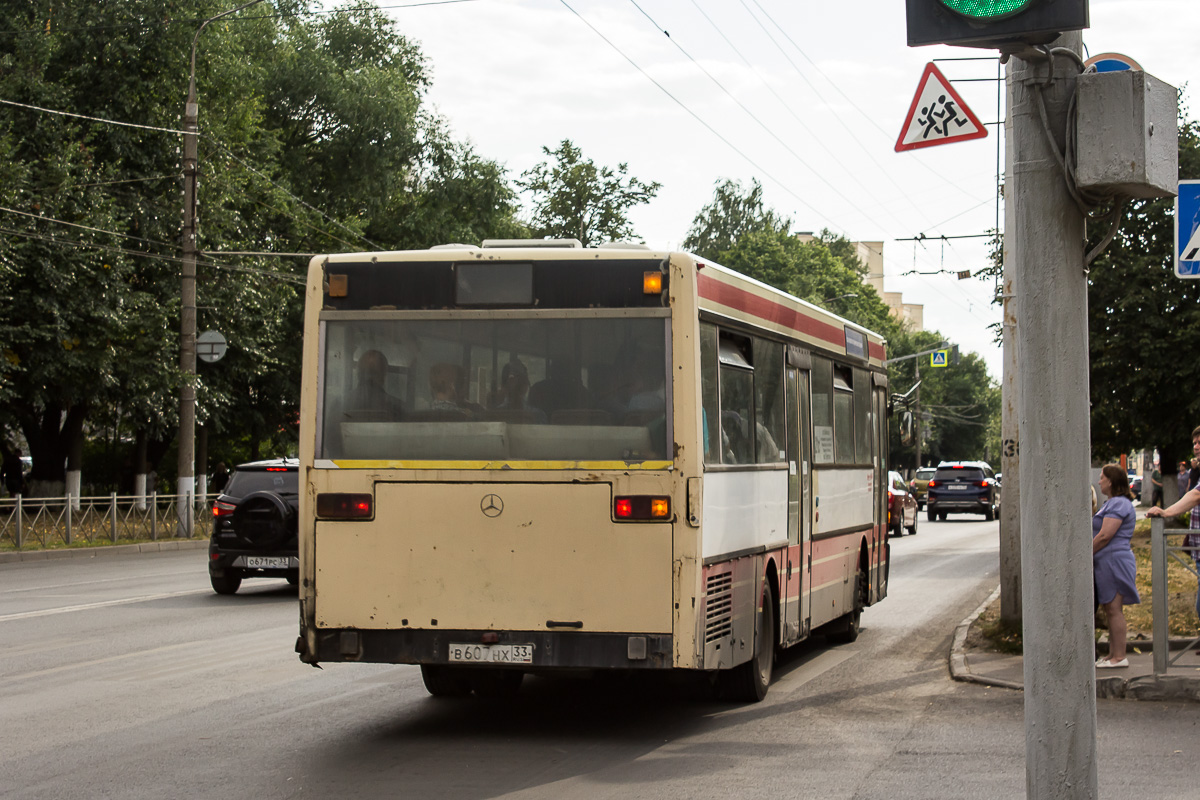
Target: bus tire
496, 682
443, 681
748, 683
846, 629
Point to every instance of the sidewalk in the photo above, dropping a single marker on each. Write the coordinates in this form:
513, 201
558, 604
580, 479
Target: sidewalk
13, 556
1137, 682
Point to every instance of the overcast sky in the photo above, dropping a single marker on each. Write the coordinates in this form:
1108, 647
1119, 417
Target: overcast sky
807, 97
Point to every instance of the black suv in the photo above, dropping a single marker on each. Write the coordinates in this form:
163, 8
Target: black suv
255, 525
963, 487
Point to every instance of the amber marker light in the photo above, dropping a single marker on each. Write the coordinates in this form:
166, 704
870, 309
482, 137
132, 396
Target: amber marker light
652, 283
337, 505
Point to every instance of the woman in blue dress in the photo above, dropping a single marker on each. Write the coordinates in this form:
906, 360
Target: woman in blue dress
1113, 563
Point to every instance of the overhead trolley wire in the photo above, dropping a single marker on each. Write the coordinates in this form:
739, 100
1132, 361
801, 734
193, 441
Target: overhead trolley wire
696, 116
750, 113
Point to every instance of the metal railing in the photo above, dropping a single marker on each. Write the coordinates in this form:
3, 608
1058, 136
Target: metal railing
1161, 552
49, 521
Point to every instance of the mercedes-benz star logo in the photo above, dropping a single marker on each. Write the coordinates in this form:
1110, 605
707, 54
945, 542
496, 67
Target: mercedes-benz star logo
491, 505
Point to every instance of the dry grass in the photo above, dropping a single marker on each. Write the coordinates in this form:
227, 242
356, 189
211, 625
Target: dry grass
989, 632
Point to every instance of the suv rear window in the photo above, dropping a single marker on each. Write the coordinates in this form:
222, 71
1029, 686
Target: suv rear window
243, 482
959, 474
925, 473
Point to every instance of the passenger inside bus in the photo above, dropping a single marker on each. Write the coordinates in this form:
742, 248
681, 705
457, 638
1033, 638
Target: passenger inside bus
562, 390
445, 389
370, 401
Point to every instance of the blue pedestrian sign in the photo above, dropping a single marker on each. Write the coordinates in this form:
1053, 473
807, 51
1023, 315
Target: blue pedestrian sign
1112, 62
1187, 230
939, 358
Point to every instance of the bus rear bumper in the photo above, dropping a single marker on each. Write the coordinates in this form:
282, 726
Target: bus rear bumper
550, 649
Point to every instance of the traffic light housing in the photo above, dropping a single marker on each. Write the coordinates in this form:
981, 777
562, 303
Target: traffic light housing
1008, 25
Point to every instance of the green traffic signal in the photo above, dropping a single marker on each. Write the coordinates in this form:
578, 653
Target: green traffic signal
987, 10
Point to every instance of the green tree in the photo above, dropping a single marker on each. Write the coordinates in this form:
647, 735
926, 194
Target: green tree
314, 138
575, 199
1142, 323
733, 213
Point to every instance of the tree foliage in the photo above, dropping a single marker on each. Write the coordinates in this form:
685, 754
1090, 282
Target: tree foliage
1142, 323
575, 199
738, 231
314, 138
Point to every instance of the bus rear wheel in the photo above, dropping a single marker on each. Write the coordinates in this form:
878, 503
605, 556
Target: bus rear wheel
443, 681
846, 629
748, 683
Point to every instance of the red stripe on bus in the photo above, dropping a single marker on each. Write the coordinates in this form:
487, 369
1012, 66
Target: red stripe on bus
711, 288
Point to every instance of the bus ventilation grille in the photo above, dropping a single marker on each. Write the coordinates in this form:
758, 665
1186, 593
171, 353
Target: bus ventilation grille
718, 616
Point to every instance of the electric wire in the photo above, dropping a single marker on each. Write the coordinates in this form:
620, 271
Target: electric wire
752, 115
151, 256
698, 118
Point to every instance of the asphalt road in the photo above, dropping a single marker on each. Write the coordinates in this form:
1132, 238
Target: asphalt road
126, 677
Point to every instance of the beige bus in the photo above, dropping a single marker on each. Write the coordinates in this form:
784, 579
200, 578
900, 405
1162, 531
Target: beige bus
529, 457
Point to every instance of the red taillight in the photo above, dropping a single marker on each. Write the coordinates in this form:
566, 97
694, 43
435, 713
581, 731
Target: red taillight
339, 505
639, 507
891, 494
983, 484
277, 469
222, 509
931, 484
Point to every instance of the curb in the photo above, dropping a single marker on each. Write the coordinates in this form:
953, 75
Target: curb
1145, 687
959, 670
93, 552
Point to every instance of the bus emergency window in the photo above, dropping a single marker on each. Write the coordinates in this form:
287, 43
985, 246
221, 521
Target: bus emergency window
862, 416
843, 416
768, 393
708, 393
822, 410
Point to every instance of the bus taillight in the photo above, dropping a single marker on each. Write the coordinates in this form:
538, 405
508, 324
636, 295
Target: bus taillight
340, 505
640, 507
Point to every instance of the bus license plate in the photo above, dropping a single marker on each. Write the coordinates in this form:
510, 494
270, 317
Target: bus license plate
492, 653
267, 562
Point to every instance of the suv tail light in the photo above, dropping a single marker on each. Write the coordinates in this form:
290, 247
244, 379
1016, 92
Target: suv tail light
932, 484
222, 509
340, 505
641, 507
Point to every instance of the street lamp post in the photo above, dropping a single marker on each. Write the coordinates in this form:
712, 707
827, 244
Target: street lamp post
185, 482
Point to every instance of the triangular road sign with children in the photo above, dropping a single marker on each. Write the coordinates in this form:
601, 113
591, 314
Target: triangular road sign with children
938, 115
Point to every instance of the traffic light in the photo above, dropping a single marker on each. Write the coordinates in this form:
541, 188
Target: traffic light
997, 24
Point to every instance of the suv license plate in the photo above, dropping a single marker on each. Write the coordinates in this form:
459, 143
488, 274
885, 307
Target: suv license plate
957, 488
492, 653
267, 562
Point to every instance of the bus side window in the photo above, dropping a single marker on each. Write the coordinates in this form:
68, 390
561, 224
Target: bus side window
708, 393
736, 386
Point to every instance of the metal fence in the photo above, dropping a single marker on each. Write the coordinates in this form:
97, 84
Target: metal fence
49, 521
1161, 552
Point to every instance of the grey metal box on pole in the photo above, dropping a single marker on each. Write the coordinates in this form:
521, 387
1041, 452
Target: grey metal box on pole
1128, 134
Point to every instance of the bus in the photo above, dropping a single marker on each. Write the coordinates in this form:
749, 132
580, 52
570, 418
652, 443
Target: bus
529, 456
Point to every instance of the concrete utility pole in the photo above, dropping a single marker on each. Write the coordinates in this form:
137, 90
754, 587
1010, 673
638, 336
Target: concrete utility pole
917, 412
1010, 444
185, 481
1045, 241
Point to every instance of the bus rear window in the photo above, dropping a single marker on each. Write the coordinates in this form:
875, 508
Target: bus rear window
526, 387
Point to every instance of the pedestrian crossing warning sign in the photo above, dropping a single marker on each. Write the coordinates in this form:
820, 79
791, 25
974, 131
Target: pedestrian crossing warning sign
939, 358
1187, 230
938, 115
